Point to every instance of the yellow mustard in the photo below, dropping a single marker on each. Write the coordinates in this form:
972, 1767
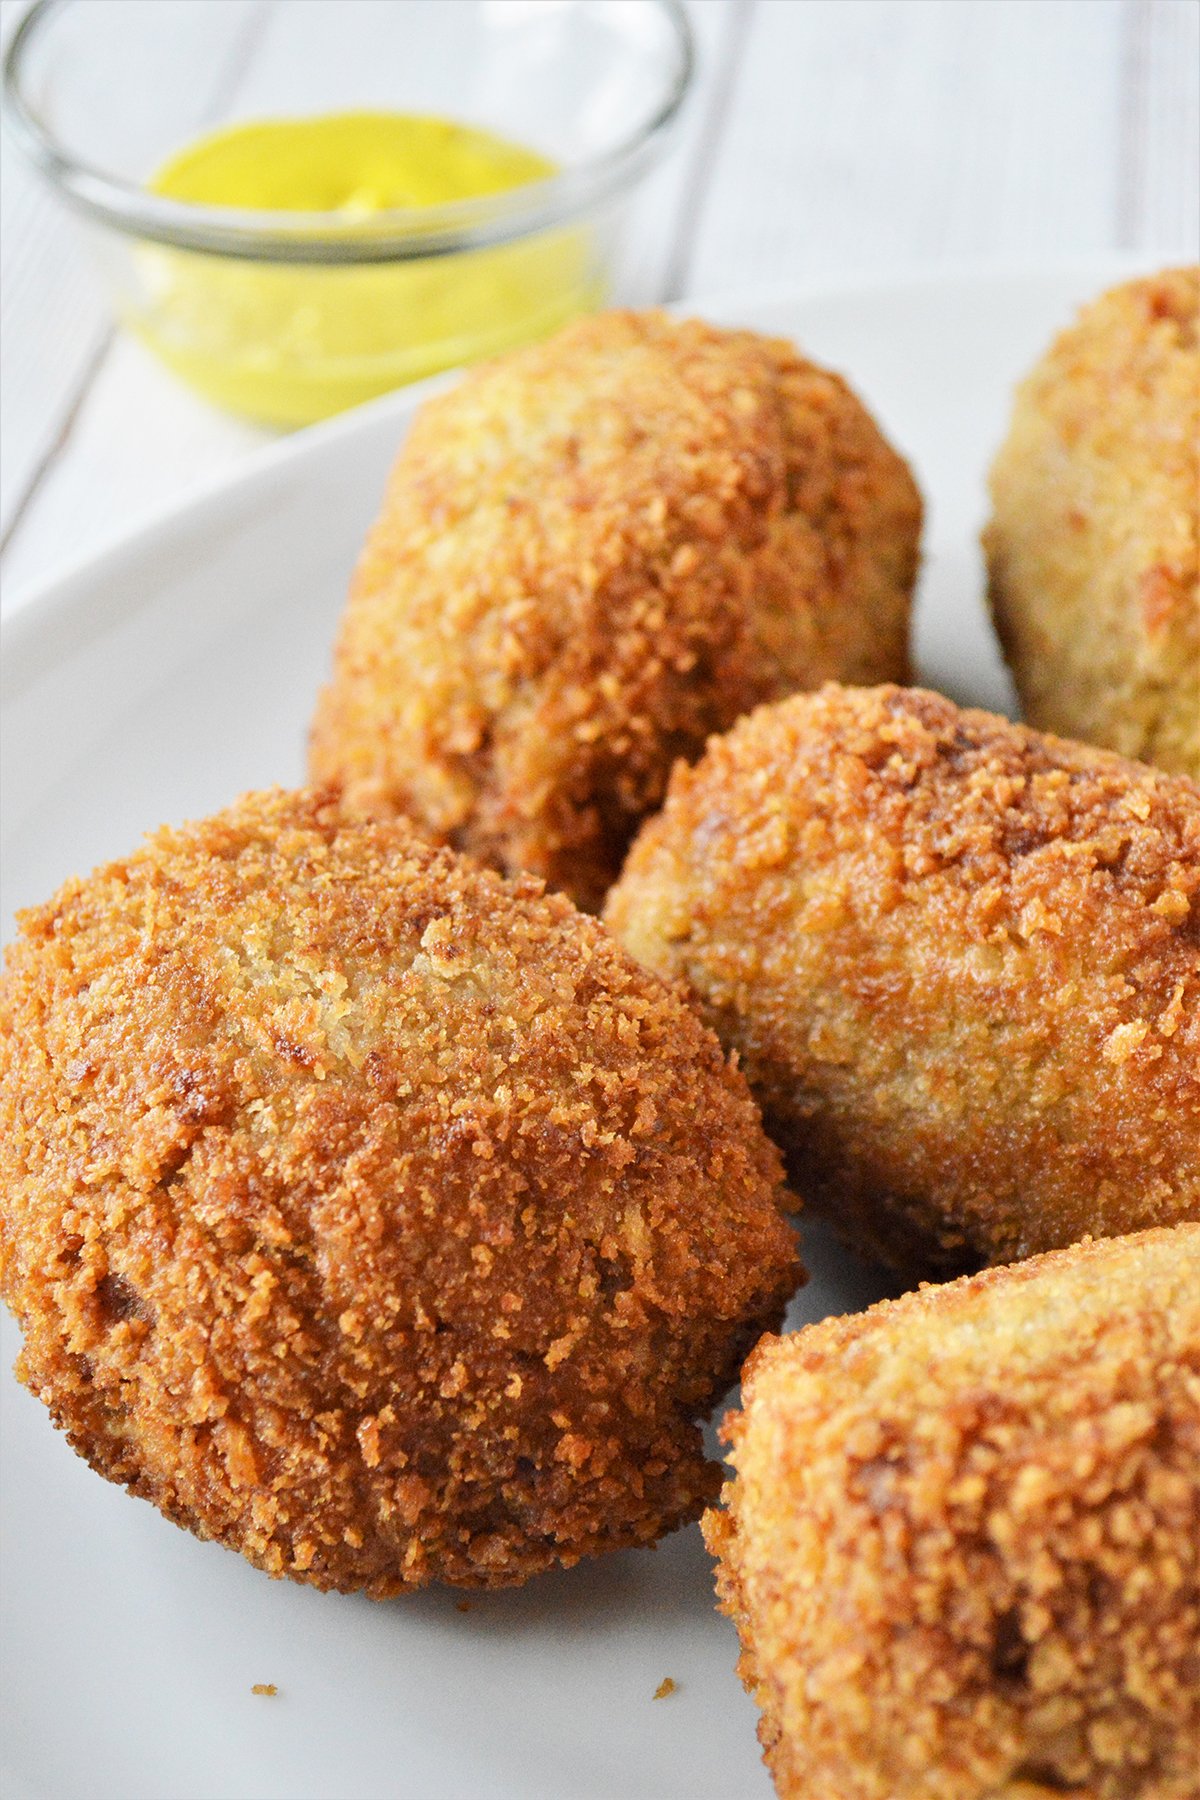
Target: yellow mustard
292, 342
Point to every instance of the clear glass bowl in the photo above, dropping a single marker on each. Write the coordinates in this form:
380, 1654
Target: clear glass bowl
289, 316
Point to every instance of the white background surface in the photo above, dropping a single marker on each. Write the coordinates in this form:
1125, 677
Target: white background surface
827, 138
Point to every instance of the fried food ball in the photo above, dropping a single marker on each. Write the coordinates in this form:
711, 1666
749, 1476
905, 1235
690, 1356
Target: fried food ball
962, 1544
1093, 548
593, 553
960, 962
370, 1214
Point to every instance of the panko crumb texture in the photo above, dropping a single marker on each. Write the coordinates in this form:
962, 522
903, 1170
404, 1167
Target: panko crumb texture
370, 1214
962, 1543
959, 960
594, 552
1094, 543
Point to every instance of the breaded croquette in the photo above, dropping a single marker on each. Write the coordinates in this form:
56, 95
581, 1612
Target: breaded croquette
962, 1544
960, 962
368, 1213
1094, 543
593, 553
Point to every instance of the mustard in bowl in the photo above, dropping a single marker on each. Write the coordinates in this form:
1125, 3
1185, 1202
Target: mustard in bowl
300, 207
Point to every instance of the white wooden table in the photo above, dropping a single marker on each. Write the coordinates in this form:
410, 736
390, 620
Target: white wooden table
826, 139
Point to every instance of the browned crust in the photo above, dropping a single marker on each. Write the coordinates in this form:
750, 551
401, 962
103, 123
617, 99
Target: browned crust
960, 962
368, 1213
1094, 543
962, 1543
593, 553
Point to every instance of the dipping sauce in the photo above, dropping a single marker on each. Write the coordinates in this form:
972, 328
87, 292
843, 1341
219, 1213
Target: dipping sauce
292, 342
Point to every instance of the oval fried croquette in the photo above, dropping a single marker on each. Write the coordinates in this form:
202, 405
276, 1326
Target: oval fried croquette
962, 1544
370, 1214
960, 962
1093, 547
593, 553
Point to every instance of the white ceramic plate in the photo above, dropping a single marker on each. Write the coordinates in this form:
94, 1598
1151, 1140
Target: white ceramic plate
155, 683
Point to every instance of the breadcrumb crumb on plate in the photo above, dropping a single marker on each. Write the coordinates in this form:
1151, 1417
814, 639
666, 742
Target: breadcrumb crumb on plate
157, 682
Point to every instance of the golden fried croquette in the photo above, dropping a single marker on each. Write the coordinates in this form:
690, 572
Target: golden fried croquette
962, 1545
1094, 543
593, 553
370, 1214
960, 962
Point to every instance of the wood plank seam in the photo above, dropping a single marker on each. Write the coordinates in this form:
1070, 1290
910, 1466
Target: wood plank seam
58, 444
695, 190
229, 77
1131, 146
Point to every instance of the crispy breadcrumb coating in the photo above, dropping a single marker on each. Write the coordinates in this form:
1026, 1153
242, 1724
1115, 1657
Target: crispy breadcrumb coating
962, 1545
593, 553
960, 962
370, 1214
1094, 543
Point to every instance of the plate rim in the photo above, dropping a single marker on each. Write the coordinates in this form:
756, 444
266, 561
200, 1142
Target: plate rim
55, 598
37, 629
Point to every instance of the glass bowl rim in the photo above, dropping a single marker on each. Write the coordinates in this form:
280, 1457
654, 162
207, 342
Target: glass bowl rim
329, 237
